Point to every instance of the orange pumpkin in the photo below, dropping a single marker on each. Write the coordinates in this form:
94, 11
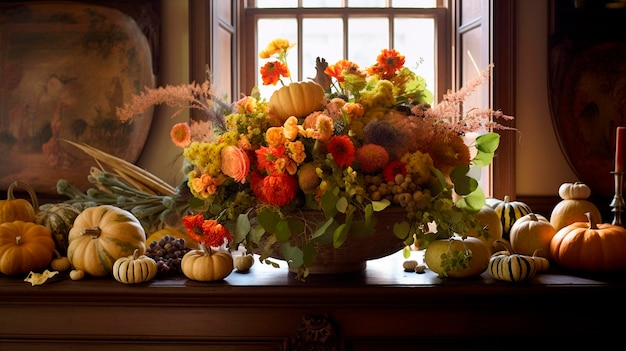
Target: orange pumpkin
591, 247
297, 99
24, 247
13, 209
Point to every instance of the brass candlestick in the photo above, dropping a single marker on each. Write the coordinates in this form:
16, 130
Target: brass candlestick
618, 200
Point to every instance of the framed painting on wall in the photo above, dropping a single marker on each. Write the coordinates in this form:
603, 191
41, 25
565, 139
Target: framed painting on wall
65, 67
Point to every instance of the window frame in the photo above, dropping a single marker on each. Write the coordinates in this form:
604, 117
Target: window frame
502, 36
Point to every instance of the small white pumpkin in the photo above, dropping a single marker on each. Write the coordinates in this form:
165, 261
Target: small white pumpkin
134, 269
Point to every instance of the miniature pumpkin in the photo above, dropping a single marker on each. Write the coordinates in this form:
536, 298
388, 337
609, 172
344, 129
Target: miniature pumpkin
100, 236
531, 235
244, 262
24, 247
206, 265
480, 253
509, 212
489, 219
58, 218
509, 267
60, 263
297, 99
591, 247
13, 209
573, 206
76, 274
134, 269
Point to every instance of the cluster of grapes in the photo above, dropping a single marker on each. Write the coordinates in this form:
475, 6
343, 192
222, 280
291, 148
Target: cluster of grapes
168, 254
402, 191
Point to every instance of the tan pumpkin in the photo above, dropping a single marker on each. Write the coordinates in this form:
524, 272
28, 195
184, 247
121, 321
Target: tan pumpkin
100, 236
134, 269
489, 219
589, 246
243, 262
480, 253
297, 99
24, 247
206, 264
13, 209
531, 235
573, 206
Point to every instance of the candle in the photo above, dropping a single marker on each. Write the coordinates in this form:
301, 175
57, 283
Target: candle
620, 149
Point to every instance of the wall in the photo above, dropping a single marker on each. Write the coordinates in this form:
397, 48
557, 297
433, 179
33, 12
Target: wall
537, 141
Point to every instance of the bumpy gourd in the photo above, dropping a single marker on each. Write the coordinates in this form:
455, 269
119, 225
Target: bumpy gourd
134, 269
588, 246
100, 236
24, 247
207, 265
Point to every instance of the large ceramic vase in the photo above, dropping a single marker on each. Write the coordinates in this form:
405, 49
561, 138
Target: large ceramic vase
354, 253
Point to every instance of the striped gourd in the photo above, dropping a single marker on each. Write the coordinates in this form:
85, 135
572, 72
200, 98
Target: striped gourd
100, 236
509, 212
511, 267
58, 218
134, 269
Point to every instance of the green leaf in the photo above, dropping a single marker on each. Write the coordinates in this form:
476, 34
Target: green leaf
321, 230
342, 205
329, 202
293, 255
242, 228
282, 231
406, 252
463, 184
380, 205
472, 202
401, 230
340, 235
486, 146
369, 212
268, 219
360, 229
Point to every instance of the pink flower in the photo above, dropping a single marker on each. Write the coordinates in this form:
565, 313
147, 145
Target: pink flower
235, 163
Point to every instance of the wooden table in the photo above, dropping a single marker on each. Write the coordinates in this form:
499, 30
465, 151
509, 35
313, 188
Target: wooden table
381, 308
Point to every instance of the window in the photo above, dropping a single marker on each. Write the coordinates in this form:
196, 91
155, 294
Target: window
354, 30
497, 19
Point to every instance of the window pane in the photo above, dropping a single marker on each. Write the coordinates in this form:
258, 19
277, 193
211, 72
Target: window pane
366, 37
366, 3
321, 3
420, 58
268, 30
414, 3
276, 3
321, 38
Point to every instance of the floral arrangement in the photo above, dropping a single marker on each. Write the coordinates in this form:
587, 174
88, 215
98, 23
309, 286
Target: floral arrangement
369, 140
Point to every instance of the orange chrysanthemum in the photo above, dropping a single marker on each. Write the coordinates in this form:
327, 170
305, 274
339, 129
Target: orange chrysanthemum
387, 64
342, 149
271, 72
181, 134
209, 232
279, 189
372, 157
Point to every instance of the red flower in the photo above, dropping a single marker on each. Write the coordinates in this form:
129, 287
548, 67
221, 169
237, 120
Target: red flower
209, 232
267, 156
393, 168
272, 71
279, 189
342, 149
387, 64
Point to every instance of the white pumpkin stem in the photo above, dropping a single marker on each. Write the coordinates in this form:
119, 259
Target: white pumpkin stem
207, 250
136, 254
18, 240
94, 232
